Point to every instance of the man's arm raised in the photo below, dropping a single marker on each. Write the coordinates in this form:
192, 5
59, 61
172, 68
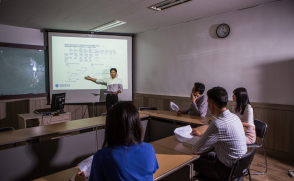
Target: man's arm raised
90, 78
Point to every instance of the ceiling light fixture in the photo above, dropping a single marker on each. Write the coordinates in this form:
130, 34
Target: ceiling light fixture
108, 25
167, 4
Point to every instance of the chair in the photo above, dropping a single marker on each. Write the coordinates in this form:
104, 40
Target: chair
260, 128
104, 114
6, 129
147, 108
242, 165
239, 169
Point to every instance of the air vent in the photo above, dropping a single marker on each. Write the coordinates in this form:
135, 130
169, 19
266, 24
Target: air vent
167, 4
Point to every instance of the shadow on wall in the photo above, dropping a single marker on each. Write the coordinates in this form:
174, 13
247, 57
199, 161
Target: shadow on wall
277, 82
212, 31
12, 110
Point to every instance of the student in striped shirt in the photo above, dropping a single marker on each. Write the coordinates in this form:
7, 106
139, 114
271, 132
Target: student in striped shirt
224, 136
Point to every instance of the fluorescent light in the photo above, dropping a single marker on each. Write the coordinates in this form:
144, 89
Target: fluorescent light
108, 25
167, 4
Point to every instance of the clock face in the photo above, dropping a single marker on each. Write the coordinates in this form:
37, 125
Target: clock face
222, 30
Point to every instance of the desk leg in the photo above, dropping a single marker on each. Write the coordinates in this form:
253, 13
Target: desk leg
21, 123
96, 138
183, 174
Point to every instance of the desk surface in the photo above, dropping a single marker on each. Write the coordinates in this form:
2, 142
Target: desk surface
187, 118
172, 143
63, 175
65, 127
34, 132
168, 160
34, 115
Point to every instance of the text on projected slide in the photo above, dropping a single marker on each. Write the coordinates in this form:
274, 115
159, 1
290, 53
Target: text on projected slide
75, 58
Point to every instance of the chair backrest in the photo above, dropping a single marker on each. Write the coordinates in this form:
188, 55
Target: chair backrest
148, 108
242, 164
6, 129
260, 128
104, 114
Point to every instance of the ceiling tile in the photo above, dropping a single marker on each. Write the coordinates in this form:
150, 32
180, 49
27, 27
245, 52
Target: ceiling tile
87, 14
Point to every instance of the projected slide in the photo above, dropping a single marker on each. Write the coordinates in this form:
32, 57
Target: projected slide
73, 58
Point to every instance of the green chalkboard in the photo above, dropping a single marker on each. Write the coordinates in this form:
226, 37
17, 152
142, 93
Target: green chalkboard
23, 71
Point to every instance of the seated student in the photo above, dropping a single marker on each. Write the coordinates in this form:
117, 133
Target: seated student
199, 101
244, 111
124, 156
225, 135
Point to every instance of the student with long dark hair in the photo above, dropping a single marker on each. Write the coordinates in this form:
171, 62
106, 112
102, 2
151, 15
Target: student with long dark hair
124, 155
244, 111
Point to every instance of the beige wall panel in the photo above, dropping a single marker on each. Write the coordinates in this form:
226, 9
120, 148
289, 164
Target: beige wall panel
276, 126
152, 102
41, 103
72, 109
289, 119
32, 105
79, 110
138, 101
2, 111
160, 104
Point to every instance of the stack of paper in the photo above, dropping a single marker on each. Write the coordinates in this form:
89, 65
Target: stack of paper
174, 107
108, 92
183, 133
85, 166
191, 142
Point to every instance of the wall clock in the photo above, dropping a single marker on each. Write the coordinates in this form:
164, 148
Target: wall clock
223, 30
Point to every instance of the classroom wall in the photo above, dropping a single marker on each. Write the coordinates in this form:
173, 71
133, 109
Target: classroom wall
258, 55
18, 35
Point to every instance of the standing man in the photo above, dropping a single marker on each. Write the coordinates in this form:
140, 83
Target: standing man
113, 83
199, 101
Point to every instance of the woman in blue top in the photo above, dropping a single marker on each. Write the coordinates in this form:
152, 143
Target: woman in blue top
124, 155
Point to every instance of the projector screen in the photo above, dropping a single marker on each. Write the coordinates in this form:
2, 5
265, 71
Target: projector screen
74, 56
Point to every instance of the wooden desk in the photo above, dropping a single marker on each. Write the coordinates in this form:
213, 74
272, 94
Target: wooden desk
35, 132
43, 120
180, 158
173, 144
63, 175
185, 118
169, 161
65, 127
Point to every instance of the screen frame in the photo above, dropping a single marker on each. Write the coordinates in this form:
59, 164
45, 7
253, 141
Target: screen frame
47, 31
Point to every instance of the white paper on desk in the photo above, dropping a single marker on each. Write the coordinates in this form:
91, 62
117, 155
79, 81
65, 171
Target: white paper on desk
191, 142
85, 166
108, 92
183, 133
174, 107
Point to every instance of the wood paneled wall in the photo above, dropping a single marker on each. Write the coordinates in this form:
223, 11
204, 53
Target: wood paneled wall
9, 109
279, 118
279, 140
